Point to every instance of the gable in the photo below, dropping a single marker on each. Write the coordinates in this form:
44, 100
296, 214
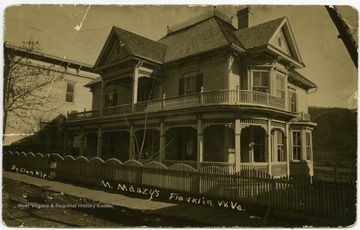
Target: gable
275, 35
121, 43
117, 51
280, 42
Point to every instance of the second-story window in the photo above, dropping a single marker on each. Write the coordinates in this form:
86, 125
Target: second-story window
292, 101
111, 98
191, 83
261, 81
70, 90
280, 85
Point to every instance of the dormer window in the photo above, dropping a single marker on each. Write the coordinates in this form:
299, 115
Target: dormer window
261, 81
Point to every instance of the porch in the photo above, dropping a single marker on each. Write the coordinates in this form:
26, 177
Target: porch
232, 145
202, 99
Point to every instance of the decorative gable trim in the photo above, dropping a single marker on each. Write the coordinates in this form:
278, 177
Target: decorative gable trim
107, 49
284, 32
117, 51
280, 42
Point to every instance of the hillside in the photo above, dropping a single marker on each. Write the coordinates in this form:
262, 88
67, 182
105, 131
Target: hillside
335, 137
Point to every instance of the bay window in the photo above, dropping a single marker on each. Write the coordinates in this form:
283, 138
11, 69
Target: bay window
296, 145
280, 85
308, 146
260, 81
292, 101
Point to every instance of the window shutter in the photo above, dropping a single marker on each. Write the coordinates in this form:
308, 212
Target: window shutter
199, 82
181, 86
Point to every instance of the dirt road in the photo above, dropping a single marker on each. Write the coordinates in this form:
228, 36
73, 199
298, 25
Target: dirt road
29, 206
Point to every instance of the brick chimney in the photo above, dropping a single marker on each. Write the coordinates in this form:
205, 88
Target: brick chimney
244, 18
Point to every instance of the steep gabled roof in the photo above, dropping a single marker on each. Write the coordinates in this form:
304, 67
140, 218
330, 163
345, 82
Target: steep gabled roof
260, 36
134, 44
141, 46
210, 34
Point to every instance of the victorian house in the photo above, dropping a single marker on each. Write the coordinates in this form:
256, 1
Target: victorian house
206, 93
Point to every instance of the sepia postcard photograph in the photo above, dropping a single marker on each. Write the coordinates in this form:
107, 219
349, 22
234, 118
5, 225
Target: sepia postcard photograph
181, 116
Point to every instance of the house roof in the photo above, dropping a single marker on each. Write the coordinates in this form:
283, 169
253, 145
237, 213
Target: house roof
134, 44
210, 31
259, 35
141, 46
209, 34
48, 58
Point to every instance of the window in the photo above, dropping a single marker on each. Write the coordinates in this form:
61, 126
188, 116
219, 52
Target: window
296, 145
261, 81
279, 41
308, 146
70, 89
111, 98
280, 146
292, 101
280, 85
191, 83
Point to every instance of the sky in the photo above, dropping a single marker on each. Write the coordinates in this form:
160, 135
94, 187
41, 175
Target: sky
78, 32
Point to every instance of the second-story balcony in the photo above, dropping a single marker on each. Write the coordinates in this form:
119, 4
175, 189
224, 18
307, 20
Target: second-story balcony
210, 98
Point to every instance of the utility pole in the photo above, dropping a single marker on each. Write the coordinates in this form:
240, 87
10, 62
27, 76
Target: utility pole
344, 33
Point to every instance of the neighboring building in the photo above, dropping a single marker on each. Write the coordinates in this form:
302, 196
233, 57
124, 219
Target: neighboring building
204, 94
63, 96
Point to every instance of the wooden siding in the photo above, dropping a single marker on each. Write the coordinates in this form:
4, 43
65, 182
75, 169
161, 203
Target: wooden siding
213, 71
235, 74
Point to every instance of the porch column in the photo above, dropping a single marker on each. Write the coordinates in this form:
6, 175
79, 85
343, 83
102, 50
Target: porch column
200, 142
99, 143
82, 137
268, 144
237, 145
132, 143
287, 149
162, 141
134, 88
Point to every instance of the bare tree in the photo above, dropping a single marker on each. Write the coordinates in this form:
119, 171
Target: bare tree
27, 85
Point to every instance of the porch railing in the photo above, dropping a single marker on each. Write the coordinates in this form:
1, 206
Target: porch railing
220, 97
